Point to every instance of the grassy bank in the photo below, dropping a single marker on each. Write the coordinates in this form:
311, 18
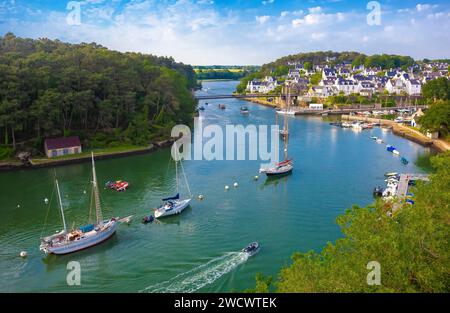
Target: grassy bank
87, 154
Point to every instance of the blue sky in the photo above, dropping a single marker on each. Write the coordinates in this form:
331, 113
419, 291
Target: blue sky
238, 31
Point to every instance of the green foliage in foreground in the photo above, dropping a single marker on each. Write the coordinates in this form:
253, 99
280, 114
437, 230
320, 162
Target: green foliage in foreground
412, 247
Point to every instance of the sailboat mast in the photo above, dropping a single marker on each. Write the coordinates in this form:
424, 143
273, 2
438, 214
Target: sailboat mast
286, 122
61, 206
98, 210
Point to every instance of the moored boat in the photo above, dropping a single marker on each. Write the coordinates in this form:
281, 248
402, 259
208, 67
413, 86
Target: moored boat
244, 110
175, 205
83, 237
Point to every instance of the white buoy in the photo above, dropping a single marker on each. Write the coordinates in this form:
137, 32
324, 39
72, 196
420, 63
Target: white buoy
84, 191
256, 177
227, 187
18, 205
235, 185
23, 254
200, 197
46, 201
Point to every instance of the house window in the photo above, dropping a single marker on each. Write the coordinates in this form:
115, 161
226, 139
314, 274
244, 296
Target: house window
65, 151
54, 153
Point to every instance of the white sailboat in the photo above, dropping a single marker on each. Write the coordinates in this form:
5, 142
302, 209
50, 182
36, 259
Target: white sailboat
175, 205
286, 166
65, 241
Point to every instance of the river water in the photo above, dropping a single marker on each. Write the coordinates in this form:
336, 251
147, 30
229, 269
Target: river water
197, 251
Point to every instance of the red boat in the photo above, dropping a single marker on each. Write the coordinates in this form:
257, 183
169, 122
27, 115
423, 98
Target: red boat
118, 185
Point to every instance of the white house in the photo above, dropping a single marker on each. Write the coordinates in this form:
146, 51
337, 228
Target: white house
329, 73
265, 86
413, 87
316, 106
395, 86
347, 86
415, 118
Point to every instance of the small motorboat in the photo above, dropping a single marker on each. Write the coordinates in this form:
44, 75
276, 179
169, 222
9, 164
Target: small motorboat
201, 108
378, 191
244, 110
388, 174
390, 148
206, 103
404, 161
251, 249
336, 124
395, 152
222, 106
148, 219
374, 137
118, 185
379, 140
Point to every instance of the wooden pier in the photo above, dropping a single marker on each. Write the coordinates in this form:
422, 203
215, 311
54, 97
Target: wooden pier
403, 186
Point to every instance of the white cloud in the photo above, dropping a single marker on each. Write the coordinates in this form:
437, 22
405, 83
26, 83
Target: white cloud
425, 7
318, 36
315, 9
268, 2
262, 19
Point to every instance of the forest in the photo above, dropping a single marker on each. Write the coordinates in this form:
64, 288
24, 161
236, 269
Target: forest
49, 88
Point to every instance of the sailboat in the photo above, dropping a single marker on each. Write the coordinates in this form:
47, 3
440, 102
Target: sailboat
285, 131
286, 166
65, 241
287, 109
175, 205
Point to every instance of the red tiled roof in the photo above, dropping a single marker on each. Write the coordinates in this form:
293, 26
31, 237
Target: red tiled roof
63, 142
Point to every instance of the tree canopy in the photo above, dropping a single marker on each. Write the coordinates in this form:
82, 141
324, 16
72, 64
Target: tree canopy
50, 88
436, 89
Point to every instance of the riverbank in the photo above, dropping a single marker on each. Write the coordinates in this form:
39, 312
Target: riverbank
404, 131
261, 101
82, 158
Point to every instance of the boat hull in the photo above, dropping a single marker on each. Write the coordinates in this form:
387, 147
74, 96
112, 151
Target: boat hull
279, 172
286, 112
82, 244
177, 209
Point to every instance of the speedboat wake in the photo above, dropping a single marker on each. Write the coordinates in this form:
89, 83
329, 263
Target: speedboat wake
200, 276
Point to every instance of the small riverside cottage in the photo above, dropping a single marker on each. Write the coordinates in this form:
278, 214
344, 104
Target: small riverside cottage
62, 146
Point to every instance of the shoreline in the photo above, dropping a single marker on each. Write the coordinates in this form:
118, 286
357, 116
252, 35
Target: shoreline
404, 131
46, 163
261, 102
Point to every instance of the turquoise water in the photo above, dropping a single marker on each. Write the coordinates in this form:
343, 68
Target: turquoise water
198, 250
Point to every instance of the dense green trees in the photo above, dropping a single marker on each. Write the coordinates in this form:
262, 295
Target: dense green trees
384, 61
49, 88
436, 89
411, 247
437, 118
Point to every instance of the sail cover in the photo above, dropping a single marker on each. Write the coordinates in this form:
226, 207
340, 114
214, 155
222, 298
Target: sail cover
172, 198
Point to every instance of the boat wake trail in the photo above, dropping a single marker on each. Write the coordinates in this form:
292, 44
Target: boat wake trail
200, 276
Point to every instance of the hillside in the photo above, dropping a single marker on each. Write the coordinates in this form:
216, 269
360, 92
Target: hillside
50, 88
